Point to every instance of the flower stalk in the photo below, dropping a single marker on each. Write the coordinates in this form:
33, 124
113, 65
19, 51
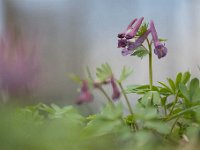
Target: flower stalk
126, 98
150, 65
106, 95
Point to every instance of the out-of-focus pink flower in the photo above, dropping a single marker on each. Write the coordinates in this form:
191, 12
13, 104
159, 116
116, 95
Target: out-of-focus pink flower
116, 92
18, 64
85, 95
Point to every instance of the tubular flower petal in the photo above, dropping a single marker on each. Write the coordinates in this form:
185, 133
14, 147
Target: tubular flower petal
128, 29
160, 50
135, 29
131, 24
127, 38
126, 52
85, 95
133, 45
122, 43
116, 92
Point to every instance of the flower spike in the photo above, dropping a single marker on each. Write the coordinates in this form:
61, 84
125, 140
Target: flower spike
133, 45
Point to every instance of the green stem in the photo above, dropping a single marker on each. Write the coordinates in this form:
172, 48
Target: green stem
175, 101
181, 113
165, 110
126, 98
134, 125
100, 88
174, 124
150, 65
106, 95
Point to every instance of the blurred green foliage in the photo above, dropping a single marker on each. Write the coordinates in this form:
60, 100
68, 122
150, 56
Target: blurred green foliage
166, 117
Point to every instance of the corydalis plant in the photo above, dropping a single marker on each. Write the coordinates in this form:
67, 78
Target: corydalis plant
18, 64
104, 77
132, 42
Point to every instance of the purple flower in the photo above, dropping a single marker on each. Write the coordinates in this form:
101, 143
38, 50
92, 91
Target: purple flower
139, 41
116, 92
133, 45
134, 30
128, 29
126, 52
122, 43
85, 95
160, 50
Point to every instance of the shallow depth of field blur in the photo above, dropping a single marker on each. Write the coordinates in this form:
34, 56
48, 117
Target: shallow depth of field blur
60, 37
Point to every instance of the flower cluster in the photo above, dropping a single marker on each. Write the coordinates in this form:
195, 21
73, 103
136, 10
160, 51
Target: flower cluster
86, 95
129, 40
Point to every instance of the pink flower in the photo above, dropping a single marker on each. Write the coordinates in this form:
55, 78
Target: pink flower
116, 92
85, 95
160, 49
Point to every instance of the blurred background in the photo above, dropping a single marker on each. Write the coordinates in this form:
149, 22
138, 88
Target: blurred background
73, 34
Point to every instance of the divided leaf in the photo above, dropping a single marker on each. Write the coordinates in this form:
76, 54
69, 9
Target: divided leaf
191, 93
185, 77
139, 89
141, 51
126, 72
103, 72
172, 85
151, 98
178, 79
143, 28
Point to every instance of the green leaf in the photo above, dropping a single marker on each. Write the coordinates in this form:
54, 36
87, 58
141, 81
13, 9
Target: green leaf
160, 127
185, 77
191, 109
194, 90
167, 87
91, 117
163, 100
103, 72
194, 84
162, 39
178, 79
111, 112
143, 28
156, 98
129, 120
192, 93
139, 89
172, 84
108, 121
151, 98
75, 78
147, 113
55, 107
165, 91
184, 91
126, 72
147, 99
140, 52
